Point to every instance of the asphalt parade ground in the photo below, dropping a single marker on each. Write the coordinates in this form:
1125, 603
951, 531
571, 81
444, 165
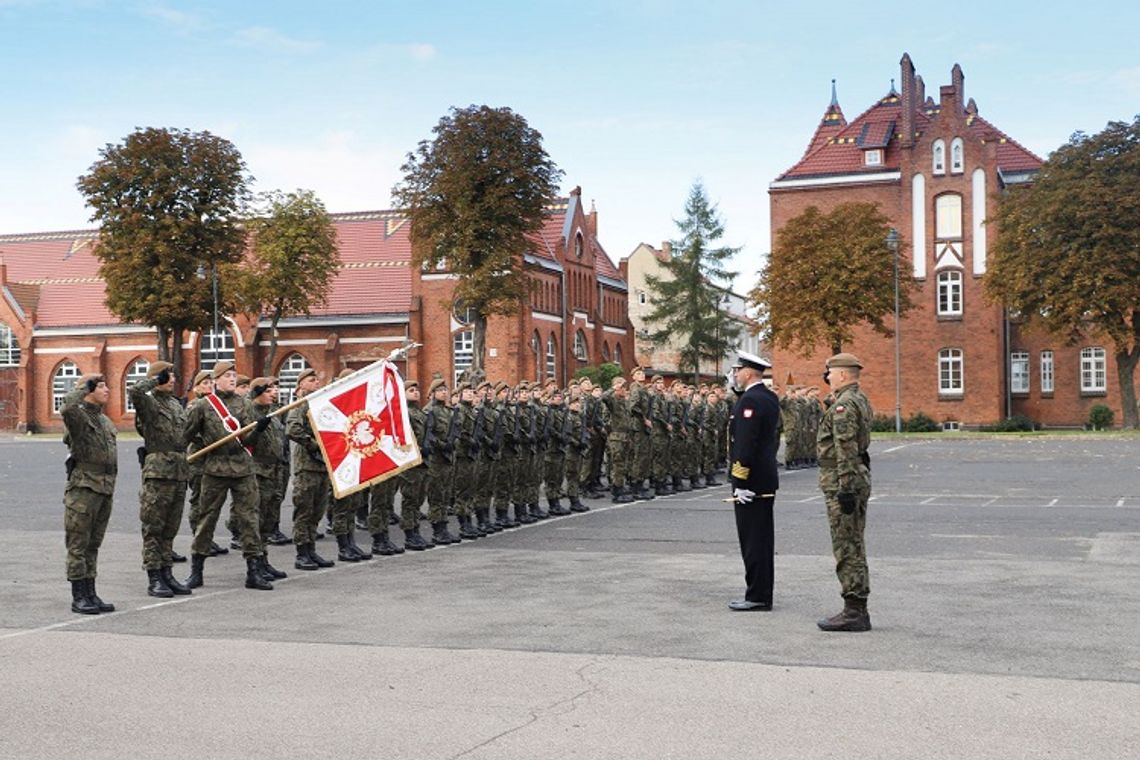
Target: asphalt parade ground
1005, 576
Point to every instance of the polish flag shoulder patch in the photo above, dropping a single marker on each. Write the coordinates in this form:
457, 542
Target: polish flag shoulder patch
746, 413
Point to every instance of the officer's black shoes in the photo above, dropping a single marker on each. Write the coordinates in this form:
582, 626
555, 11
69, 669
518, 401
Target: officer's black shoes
318, 559
156, 584
413, 541
353, 545
344, 551
556, 508
304, 561
711, 480
576, 505
522, 515
253, 577
197, 564
743, 605
854, 617
173, 583
80, 602
176, 557
94, 596
270, 571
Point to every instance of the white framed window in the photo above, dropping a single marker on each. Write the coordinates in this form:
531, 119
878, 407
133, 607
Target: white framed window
617, 354
605, 351
536, 349
1093, 370
551, 357
9, 347
948, 217
641, 298
578, 248
938, 157
950, 372
215, 347
1019, 372
950, 293
65, 377
957, 159
135, 373
462, 353
873, 157
287, 387
951, 426
1046, 371
580, 352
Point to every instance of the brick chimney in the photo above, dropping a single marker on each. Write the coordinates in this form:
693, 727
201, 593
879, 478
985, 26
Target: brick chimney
592, 220
920, 92
958, 82
906, 73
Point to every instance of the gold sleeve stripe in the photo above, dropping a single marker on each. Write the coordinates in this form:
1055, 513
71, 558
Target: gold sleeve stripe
740, 471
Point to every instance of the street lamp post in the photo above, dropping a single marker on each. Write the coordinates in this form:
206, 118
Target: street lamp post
201, 275
893, 244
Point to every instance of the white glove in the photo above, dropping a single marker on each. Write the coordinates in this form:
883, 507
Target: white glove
743, 495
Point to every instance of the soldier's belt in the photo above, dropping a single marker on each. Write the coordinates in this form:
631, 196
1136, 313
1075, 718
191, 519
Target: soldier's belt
97, 468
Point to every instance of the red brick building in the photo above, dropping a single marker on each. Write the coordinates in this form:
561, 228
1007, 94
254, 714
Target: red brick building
54, 326
936, 168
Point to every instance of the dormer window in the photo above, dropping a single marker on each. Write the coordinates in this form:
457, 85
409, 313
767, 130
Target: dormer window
956, 160
578, 245
873, 157
939, 157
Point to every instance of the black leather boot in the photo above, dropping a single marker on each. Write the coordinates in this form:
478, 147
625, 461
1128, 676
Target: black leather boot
253, 576
522, 515
679, 485
197, 565
277, 538
352, 545
556, 508
270, 571
711, 480
381, 545
503, 519
94, 596
853, 617
623, 496
486, 524
414, 541
173, 583
176, 557
156, 584
466, 530
362, 517
304, 561
576, 505
695, 483
441, 535
536, 511
344, 551
318, 559
80, 602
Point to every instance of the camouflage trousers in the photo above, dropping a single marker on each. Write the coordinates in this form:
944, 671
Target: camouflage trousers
194, 486
659, 455
413, 491
619, 461
848, 546
271, 493
85, 519
466, 483
516, 474
381, 504
438, 490
573, 473
485, 481
502, 481
310, 499
160, 512
243, 510
553, 472
344, 512
708, 453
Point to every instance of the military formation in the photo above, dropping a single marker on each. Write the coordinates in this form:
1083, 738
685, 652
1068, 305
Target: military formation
491, 455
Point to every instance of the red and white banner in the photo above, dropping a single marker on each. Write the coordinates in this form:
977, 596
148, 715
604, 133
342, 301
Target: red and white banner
361, 422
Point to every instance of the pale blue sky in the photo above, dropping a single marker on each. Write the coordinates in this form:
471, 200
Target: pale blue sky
635, 99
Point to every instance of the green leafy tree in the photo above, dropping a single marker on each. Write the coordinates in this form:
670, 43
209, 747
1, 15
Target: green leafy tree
828, 273
292, 262
1067, 252
167, 202
473, 194
602, 375
687, 301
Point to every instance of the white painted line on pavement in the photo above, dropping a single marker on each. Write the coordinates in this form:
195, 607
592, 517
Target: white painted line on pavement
991, 501
1052, 503
810, 498
895, 448
1120, 502
927, 501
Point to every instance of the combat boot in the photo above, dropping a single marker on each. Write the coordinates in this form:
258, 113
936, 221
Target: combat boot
197, 565
576, 505
253, 576
318, 559
269, 571
94, 596
176, 557
382, 545
556, 508
235, 540
304, 561
536, 511
679, 485
441, 535
710, 480
503, 518
277, 538
623, 496
465, 528
353, 545
659, 488
80, 602
173, 583
413, 540
485, 521
156, 585
477, 525
522, 515
344, 551
215, 549
695, 483
854, 617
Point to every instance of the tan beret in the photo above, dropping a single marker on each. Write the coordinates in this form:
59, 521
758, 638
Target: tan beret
243, 380
202, 375
221, 368
844, 360
655, 378
157, 367
305, 373
484, 384
436, 384
409, 384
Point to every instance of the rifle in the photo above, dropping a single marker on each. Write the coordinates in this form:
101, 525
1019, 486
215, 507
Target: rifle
429, 432
649, 414
532, 434
564, 434
477, 433
544, 437
452, 435
684, 419
584, 435
497, 435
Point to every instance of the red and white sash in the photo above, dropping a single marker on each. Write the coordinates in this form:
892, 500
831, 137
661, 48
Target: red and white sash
229, 421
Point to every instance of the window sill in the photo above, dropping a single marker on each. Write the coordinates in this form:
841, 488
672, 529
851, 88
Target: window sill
951, 396
1019, 394
1047, 395
1093, 394
949, 317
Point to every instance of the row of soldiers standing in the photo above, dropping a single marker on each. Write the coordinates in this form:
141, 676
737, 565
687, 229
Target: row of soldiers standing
800, 415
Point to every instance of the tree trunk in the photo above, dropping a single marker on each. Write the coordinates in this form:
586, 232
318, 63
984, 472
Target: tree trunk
271, 354
1125, 367
479, 344
163, 339
176, 355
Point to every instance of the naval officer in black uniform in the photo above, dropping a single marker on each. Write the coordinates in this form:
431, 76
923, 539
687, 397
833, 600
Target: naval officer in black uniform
753, 440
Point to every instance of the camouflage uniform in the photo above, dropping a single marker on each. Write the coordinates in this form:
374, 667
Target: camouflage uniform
577, 445
659, 441
161, 419
639, 432
620, 423
440, 463
268, 455
87, 499
554, 461
311, 487
502, 451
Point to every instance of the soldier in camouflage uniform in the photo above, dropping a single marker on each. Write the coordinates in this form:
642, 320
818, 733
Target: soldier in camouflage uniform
161, 420
441, 444
526, 435
268, 459
709, 438
503, 456
310, 478
202, 387
621, 421
228, 470
554, 462
640, 441
413, 481
536, 469
487, 415
845, 479
577, 444
467, 443
660, 444
91, 470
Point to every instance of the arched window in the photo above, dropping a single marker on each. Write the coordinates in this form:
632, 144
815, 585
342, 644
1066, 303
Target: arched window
65, 377
957, 159
605, 351
580, 352
950, 293
617, 354
551, 357
135, 373
215, 347
948, 217
578, 245
9, 347
536, 349
462, 352
951, 374
939, 157
290, 368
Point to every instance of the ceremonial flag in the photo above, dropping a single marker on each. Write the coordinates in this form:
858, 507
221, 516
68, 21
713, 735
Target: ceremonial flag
362, 425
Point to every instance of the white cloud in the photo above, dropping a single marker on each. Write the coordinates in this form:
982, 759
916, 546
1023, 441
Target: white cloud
272, 41
180, 20
416, 51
